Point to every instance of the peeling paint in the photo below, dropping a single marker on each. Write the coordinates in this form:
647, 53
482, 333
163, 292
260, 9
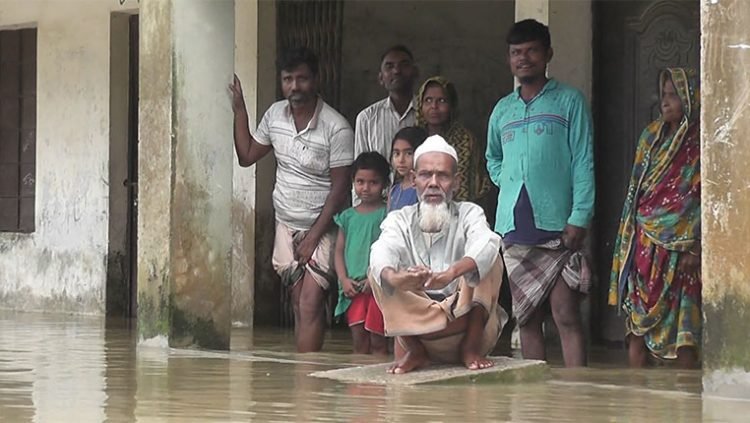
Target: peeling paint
155, 169
243, 262
61, 267
199, 305
153, 311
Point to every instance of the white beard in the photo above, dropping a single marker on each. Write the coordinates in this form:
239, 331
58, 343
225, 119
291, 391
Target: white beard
433, 217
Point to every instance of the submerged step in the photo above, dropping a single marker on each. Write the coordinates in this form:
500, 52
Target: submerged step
506, 369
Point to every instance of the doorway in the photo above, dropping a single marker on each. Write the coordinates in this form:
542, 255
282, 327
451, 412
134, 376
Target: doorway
123, 167
633, 41
132, 180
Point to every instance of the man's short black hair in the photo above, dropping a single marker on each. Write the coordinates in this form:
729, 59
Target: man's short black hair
529, 30
373, 160
290, 59
399, 48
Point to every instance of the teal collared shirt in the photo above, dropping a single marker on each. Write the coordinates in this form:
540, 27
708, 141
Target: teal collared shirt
546, 145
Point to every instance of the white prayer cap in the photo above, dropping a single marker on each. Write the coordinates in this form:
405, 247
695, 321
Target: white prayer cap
435, 144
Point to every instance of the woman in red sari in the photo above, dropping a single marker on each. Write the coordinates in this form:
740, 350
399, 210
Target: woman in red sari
656, 265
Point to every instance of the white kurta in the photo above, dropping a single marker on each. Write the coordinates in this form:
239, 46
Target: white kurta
402, 244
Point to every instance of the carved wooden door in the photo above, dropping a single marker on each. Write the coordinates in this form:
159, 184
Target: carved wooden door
633, 41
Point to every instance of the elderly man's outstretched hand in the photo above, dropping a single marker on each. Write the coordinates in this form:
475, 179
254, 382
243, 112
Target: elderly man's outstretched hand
411, 279
439, 280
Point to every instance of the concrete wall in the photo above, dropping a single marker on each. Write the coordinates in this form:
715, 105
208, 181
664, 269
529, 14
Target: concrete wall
725, 123
62, 265
571, 27
461, 40
202, 33
573, 60
252, 209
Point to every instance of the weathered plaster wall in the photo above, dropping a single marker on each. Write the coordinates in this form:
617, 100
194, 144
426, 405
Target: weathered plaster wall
185, 173
573, 60
571, 25
725, 123
461, 40
247, 47
155, 152
203, 37
61, 266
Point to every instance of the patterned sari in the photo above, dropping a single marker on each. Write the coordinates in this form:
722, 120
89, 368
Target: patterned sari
475, 182
660, 222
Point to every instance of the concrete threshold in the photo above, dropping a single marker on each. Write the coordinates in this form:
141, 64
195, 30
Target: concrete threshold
508, 370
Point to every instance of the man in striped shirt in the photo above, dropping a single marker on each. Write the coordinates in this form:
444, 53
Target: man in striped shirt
314, 147
378, 123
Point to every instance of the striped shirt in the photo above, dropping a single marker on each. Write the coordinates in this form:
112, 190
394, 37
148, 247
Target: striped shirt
546, 146
377, 124
304, 159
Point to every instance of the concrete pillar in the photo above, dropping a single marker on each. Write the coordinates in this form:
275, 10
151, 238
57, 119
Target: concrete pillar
185, 175
573, 60
243, 201
252, 209
725, 123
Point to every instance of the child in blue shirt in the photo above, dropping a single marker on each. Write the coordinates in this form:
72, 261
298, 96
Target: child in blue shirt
403, 193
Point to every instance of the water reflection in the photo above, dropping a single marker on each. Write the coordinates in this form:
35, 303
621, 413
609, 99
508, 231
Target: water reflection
55, 368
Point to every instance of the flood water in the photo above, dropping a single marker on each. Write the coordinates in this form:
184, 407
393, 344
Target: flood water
80, 369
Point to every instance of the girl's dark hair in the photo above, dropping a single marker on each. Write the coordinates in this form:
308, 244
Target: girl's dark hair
414, 135
372, 160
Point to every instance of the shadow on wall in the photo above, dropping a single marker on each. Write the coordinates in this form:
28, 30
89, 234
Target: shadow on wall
461, 40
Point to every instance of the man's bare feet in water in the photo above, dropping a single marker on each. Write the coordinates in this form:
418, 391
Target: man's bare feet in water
414, 358
472, 341
474, 361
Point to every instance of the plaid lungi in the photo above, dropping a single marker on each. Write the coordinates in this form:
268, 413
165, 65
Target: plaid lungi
533, 271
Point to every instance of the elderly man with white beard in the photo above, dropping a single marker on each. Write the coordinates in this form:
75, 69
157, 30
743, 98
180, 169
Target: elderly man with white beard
436, 271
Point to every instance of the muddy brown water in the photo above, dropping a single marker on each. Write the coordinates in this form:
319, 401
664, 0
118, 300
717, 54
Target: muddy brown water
57, 368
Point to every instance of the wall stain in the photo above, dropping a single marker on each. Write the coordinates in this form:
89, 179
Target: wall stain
243, 263
725, 332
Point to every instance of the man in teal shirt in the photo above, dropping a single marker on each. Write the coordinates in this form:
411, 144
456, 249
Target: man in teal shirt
540, 155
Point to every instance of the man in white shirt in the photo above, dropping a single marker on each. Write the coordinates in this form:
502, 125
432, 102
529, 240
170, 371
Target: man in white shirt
378, 123
436, 271
314, 147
